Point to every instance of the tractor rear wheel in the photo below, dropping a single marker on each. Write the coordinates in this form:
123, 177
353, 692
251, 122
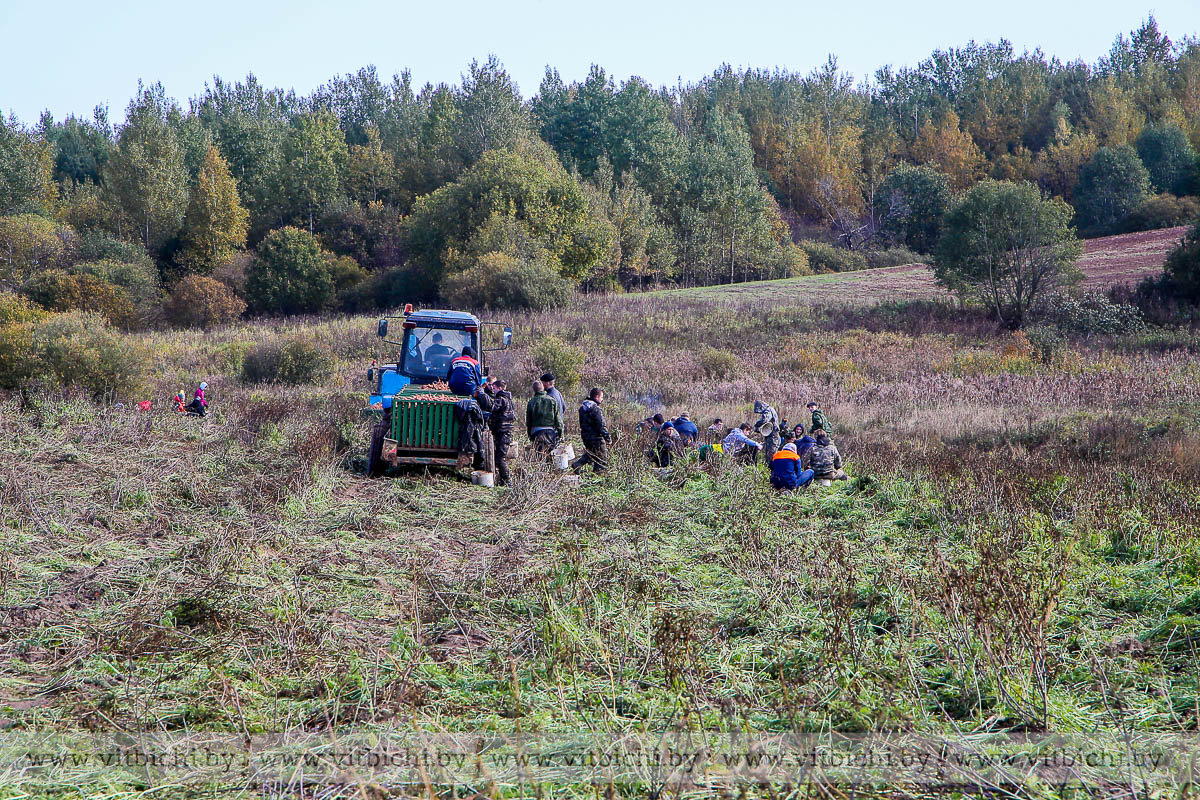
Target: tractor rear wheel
375, 462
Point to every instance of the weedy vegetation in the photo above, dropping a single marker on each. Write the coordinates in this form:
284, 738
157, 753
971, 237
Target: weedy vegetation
1016, 551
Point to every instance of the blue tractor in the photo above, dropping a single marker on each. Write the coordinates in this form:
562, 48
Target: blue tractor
418, 425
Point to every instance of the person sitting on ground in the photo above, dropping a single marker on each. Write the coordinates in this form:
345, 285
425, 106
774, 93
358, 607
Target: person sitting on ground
804, 442
594, 432
739, 445
652, 424
669, 446
824, 459
548, 382
199, 405
179, 407
464, 376
786, 474
819, 421
543, 421
768, 426
687, 429
715, 432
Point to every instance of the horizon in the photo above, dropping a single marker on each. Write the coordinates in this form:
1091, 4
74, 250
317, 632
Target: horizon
272, 59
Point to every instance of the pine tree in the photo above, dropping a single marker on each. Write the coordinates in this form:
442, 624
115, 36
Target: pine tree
216, 222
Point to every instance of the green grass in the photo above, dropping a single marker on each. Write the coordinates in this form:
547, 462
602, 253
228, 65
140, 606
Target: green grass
999, 562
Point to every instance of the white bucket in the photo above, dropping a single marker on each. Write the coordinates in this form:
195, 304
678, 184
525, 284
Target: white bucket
563, 455
481, 478
825, 482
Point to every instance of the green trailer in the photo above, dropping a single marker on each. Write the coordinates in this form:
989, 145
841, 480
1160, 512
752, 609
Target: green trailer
418, 425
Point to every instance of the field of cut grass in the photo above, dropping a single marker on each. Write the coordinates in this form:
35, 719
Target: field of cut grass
1107, 261
1015, 555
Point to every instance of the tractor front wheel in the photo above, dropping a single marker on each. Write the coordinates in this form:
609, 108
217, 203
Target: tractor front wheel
375, 462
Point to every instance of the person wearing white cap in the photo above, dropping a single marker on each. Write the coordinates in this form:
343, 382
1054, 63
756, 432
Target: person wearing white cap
199, 404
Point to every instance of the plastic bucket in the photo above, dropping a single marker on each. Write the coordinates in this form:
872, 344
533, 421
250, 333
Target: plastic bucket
481, 478
562, 461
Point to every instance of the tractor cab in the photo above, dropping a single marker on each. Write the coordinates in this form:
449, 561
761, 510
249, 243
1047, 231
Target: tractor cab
428, 341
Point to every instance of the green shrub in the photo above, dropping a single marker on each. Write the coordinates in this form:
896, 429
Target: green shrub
31, 242
102, 246
292, 360
18, 318
824, 257
1093, 313
200, 302
345, 273
503, 282
138, 279
1183, 268
81, 350
1047, 340
552, 354
1162, 211
717, 363
59, 290
290, 274
894, 257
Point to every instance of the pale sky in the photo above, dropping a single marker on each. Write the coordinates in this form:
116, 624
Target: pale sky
70, 55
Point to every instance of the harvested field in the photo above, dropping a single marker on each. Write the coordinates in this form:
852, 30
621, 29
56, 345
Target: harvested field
1107, 261
997, 563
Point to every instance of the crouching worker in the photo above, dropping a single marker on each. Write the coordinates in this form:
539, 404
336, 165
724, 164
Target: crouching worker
543, 420
178, 405
199, 404
824, 459
739, 446
464, 376
594, 432
471, 413
786, 474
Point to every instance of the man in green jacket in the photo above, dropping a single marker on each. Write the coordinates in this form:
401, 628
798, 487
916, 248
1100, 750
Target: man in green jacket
819, 421
543, 420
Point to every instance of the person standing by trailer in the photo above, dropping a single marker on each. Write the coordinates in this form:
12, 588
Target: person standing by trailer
504, 415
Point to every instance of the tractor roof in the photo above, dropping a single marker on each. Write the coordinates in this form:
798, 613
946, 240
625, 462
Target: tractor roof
437, 318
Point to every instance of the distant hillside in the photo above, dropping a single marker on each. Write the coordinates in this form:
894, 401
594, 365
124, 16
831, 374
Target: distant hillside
1109, 260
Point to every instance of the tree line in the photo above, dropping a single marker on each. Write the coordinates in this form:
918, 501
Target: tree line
369, 192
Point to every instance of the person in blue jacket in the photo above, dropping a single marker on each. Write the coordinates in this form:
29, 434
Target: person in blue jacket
465, 376
687, 429
786, 474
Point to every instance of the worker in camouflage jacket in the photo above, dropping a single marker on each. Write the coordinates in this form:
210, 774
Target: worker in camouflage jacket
824, 459
767, 425
501, 421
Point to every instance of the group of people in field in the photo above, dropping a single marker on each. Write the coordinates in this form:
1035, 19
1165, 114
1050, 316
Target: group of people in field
796, 457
